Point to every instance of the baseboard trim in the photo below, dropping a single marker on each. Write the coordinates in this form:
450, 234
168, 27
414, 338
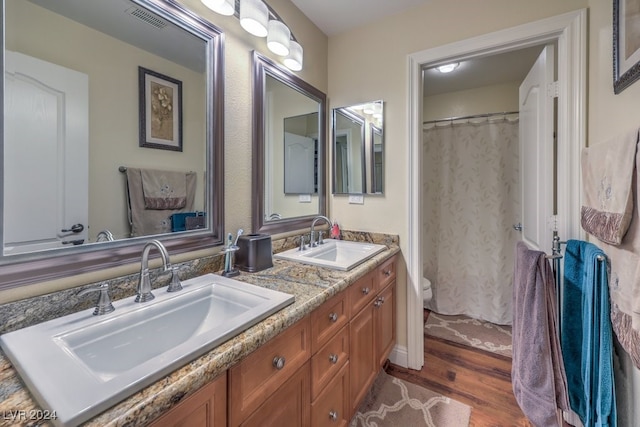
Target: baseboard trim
399, 356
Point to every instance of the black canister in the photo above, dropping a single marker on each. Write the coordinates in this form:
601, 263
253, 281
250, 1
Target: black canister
254, 253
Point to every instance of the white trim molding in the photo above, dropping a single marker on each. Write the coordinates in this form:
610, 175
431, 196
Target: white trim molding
398, 356
569, 31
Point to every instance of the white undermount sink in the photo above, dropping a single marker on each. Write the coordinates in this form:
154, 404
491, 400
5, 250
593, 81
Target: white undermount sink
335, 254
79, 365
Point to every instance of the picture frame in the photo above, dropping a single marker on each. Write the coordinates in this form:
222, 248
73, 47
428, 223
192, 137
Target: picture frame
626, 43
160, 110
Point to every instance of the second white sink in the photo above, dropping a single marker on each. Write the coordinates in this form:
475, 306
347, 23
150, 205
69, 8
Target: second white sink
336, 254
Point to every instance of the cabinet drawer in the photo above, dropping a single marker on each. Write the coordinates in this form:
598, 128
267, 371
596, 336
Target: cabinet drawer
386, 272
331, 409
327, 319
362, 292
258, 375
290, 405
328, 360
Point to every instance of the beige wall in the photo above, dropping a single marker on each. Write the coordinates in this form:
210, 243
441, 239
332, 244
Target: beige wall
357, 75
486, 99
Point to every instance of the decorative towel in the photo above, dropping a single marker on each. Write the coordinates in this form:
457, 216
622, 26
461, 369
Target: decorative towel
145, 222
607, 172
624, 280
537, 371
587, 346
164, 189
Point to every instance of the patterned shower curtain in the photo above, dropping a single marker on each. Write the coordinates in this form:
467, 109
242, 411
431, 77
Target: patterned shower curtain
471, 200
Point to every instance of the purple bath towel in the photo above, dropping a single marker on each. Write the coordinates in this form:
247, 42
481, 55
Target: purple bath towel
537, 372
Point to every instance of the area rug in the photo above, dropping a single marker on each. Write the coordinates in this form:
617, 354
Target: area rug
476, 333
392, 402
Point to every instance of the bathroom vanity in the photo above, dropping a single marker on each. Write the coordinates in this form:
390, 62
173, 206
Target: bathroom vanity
312, 361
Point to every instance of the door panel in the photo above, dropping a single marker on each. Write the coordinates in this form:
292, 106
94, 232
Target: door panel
536, 152
46, 150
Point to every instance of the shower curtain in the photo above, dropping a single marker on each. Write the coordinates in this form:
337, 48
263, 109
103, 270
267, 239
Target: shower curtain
471, 200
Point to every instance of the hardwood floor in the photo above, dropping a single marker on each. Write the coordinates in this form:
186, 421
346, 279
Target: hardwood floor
475, 377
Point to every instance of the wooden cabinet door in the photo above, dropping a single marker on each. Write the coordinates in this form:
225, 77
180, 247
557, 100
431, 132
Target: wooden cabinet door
363, 357
289, 405
207, 407
385, 322
332, 408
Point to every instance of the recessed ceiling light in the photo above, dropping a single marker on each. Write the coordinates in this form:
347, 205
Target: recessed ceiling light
448, 67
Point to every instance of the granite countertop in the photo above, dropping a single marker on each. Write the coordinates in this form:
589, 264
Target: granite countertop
311, 286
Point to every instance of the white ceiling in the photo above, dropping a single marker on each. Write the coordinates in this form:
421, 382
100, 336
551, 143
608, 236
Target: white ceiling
336, 16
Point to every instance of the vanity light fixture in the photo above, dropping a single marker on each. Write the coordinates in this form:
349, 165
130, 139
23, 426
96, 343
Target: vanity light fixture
293, 61
223, 7
369, 109
279, 38
447, 68
257, 18
254, 17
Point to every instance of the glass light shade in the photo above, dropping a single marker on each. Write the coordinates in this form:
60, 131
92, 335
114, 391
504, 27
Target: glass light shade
293, 61
369, 109
223, 7
254, 17
278, 38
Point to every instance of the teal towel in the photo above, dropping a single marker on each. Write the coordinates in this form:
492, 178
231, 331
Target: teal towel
586, 335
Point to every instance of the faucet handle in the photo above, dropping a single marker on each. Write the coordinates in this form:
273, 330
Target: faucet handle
103, 304
302, 246
175, 284
321, 237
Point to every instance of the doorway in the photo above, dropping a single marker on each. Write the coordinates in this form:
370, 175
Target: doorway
569, 32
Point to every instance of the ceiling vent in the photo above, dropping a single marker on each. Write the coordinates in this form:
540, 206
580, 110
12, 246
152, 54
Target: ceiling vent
147, 17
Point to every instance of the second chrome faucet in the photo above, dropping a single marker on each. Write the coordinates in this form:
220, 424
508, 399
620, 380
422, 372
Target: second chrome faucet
144, 293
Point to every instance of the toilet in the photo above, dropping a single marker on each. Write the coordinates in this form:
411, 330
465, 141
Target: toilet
426, 292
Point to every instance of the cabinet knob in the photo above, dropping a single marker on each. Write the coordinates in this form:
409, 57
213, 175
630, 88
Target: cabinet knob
379, 301
333, 358
387, 273
333, 317
365, 291
278, 362
333, 415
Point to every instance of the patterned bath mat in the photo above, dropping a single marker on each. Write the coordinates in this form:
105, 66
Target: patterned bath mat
476, 333
392, 402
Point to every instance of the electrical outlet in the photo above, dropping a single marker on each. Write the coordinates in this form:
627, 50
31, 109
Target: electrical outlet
356, 199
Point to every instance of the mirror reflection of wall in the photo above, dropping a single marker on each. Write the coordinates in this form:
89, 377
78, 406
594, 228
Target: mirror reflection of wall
111, 133
291, 152
358, 149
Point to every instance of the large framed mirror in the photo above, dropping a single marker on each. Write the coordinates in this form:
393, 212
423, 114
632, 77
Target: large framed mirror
358, 148
289, 123
92, 91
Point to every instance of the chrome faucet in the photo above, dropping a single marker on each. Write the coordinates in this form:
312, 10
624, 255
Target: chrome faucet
312, 235
143, 293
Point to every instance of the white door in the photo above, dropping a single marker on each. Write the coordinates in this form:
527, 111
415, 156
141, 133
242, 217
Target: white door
46, 139
299, 152
537, 152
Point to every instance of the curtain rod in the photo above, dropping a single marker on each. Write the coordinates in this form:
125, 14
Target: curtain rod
475, 116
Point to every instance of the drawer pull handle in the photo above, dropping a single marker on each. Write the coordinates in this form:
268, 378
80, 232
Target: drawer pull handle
333, 358
387, 273
278, 362
333, 415
333, 317
365, 291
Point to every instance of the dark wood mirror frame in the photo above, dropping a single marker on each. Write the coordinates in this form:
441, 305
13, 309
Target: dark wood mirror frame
44, 266
262, 67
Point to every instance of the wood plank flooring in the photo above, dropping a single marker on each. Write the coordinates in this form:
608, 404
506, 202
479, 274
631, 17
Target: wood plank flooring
475, 377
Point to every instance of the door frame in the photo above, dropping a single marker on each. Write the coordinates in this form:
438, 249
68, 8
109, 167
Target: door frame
569, 30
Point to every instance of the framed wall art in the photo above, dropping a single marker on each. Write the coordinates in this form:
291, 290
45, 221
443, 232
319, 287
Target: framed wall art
160, 110
626, 43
